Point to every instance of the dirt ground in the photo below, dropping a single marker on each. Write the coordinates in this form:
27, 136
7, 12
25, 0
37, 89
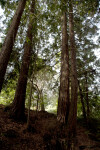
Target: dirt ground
45, 133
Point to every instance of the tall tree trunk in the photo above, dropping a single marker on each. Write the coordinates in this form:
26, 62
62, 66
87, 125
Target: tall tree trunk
63, 100
72, 118
9, 41
87, 99
18, 105
82, 102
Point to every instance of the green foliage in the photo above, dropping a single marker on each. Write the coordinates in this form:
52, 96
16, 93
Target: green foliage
7, 94
2, 3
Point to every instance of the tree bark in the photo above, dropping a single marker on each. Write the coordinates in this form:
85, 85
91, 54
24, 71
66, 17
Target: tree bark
42, 101
29, 104
18, 105
82, 102
72, 118
87, 99
63, 100
9, 41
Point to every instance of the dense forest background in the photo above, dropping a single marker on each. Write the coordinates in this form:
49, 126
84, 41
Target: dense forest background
50, 59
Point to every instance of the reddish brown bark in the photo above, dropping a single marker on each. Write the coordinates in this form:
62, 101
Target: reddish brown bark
63, 100
9, 41
73, 106
18, 105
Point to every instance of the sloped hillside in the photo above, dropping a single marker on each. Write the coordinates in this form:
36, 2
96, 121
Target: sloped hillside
45, 133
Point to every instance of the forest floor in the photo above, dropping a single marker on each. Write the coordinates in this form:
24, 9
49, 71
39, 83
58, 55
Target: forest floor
45, 133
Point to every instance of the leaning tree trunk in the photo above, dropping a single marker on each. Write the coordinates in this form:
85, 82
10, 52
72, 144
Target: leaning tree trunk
9, 41
18, 105
73, 106
63, 100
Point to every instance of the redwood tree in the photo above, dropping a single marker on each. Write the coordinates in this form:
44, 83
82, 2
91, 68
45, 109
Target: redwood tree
9, 41
73, 106
18, 105
63, 101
